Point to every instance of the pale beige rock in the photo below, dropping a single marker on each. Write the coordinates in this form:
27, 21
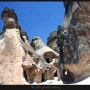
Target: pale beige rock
11, 53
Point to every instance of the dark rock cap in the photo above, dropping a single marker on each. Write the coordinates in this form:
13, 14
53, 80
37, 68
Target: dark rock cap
9, 13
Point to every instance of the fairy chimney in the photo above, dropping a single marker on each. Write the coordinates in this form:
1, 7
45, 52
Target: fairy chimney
13, 51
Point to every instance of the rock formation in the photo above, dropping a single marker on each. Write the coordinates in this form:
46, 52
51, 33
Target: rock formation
52, 41
74, 42
43, 63
11, 51
20, 62
24, 62
49, 59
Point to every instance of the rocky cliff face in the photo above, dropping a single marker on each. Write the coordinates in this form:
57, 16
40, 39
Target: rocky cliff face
11, 52
74, 42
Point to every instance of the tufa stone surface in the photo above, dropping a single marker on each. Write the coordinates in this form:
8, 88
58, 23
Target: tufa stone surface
11, 54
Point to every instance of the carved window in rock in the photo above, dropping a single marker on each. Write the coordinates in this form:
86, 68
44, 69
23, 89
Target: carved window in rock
48, 56
47, 60
43, 77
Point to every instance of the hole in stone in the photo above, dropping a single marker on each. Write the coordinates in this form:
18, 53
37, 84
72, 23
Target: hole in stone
24, 75
43, 77
47, 60
55, 74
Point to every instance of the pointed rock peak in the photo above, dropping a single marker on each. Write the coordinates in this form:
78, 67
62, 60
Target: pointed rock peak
6, 9
9, 12
9, 18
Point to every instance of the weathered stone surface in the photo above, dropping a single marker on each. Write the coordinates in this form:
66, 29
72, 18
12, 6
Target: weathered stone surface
74, 42
30, 69
13, 51
52, 41
40, 47
20, 62
11, 54
46, 55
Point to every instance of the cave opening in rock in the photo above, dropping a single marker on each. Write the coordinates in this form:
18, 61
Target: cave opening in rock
55, 74
43, 77
24, 75
47, 60
67, 77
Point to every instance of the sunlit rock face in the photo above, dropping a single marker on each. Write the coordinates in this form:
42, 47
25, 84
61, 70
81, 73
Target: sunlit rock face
74, 41
11, 54
23, 62
40, 47
13, 50
47, 56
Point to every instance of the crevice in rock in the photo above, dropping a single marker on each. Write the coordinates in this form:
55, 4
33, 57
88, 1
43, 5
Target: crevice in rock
55, 74
24, 75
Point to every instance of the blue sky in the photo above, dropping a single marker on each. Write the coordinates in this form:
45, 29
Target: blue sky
36, 18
